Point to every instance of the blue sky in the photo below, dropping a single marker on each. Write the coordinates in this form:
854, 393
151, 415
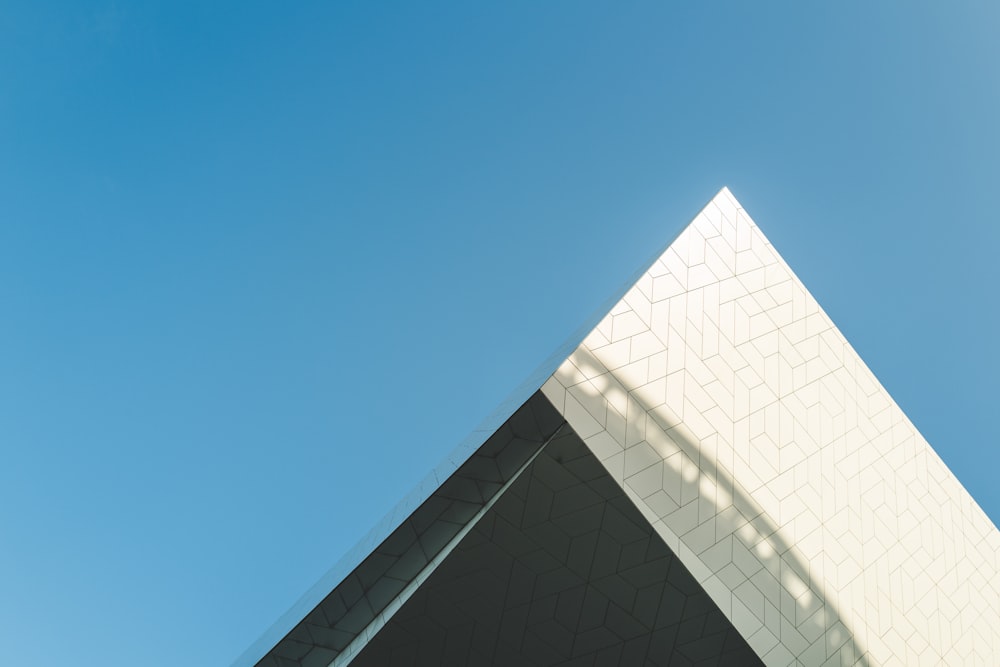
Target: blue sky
263, 265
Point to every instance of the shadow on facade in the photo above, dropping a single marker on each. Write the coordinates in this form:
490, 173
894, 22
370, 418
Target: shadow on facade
734, 512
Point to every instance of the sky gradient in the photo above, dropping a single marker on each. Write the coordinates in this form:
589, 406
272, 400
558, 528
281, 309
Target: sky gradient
262, 266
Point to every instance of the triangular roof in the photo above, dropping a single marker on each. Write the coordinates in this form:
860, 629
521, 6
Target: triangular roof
717, 421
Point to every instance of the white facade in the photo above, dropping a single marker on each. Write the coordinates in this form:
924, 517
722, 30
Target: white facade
770, 459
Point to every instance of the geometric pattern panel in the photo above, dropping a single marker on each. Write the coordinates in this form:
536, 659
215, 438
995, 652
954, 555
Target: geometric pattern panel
751, 435
562, 570
410, 550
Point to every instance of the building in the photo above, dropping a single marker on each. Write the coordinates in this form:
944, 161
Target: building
712, 476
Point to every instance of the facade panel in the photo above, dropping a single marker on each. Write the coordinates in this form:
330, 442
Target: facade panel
768, 456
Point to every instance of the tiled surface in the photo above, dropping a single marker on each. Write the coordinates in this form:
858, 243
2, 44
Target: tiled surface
377, 587
562, 570
769, 458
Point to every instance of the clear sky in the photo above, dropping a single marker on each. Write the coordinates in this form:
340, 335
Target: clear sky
262, 265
